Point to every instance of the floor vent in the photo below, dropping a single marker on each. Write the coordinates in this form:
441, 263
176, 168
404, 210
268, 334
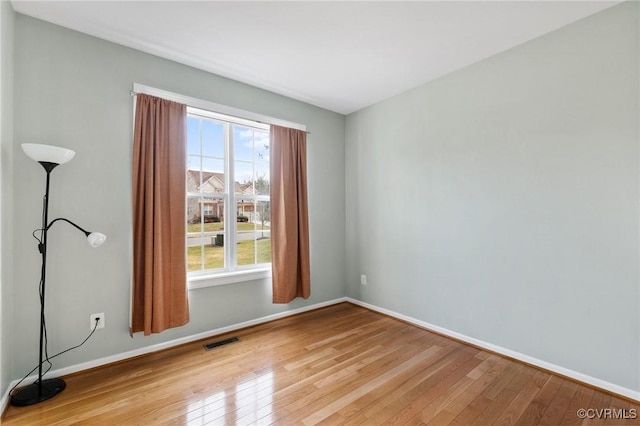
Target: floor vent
221, 343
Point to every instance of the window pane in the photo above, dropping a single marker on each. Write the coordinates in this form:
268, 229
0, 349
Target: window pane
205, 234
263, 247
263, 217
194, 234
214, 221
213, 138
194, 258
261, 179
212, 177
261, 146
243, 143
246, 248
193, 214
263, 231
193, 163
245, 209
213, 257
244, 175
193, 135
246, 232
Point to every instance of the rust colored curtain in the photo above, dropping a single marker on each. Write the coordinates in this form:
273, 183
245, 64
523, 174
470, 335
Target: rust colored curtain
159, 218
289, 215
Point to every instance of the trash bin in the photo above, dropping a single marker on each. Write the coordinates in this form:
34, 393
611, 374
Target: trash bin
219, 240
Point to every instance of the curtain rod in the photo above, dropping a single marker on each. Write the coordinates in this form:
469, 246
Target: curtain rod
134, 93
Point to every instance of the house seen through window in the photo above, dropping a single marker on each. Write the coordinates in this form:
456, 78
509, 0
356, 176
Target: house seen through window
228, 227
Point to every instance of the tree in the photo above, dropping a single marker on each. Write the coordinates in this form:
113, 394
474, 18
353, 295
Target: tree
261, 185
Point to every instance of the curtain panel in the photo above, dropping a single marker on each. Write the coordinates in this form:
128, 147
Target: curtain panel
289, 215
159, 299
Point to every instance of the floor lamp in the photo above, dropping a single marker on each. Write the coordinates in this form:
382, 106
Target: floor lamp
49, 157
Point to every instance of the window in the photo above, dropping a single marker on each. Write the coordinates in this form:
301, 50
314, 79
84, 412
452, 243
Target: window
207, 209
228, 228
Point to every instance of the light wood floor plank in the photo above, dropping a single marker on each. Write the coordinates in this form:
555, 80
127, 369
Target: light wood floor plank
502, 400
581, 398
382, 404
535, 410
558, 406
339, 365
455, 407
435, 397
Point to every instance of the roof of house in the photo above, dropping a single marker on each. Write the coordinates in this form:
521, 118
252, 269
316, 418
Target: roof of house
214, 179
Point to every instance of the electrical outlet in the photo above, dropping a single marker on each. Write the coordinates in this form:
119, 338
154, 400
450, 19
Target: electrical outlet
363, 279
93, 318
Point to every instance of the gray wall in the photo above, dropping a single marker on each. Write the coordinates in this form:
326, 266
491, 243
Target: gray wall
7, 19
72, 90
502, 201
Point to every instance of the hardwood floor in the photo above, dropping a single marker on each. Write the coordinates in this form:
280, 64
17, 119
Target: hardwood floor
338, 365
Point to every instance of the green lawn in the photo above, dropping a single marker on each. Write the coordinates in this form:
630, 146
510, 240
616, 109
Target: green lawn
214, 256
219, 226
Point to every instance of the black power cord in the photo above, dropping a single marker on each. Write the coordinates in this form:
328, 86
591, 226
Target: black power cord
48, 358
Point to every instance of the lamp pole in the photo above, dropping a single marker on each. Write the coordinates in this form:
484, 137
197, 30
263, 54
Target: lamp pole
42, 389
42, 247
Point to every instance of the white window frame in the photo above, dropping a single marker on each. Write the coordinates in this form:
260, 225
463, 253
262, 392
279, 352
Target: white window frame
215, 279
231, 271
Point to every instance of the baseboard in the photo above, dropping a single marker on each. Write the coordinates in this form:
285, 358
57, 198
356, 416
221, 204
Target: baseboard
165, 345
562, 371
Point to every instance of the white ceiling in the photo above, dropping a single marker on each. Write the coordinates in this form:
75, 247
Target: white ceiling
342, 56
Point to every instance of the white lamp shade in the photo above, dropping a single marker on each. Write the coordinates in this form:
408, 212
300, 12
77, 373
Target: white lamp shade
47, 153
96, 239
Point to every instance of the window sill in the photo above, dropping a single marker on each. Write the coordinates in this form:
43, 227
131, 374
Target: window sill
227, 278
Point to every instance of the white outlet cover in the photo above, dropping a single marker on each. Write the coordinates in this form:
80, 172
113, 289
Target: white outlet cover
92, 321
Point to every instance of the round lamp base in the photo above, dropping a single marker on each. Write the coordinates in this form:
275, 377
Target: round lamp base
33, 393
